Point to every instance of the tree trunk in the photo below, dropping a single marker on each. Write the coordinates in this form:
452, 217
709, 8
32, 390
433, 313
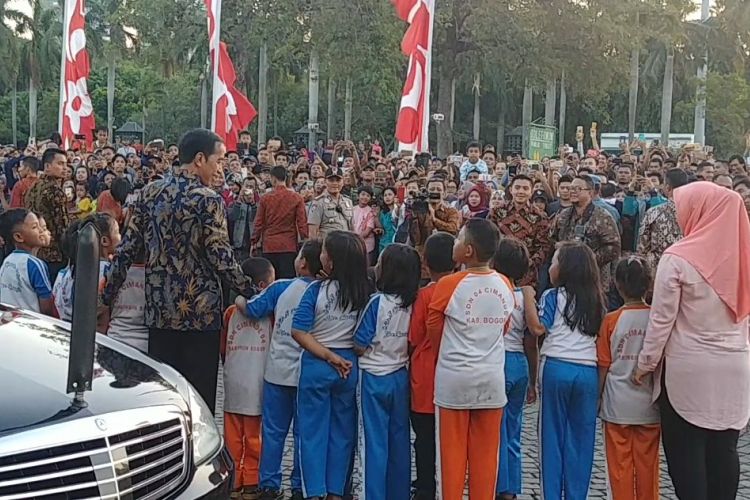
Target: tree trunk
331, 108
275, 108
444, 106
477, 104
348, 110
563, 109
500, 146
313, 98
634, 77
143, 123
550, 102
528, 108
32, 108
111, 69
262, 92
699, 127
14, 111
453, 102
666, 97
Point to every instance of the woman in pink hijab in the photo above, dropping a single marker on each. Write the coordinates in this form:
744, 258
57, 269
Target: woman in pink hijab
697, 344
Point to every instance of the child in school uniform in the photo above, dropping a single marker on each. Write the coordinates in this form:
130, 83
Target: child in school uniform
244, 346
631, 420
570, 315
468, 317
127, 321
324, 325
380, 340
521, 363
109, 238
438, 257
24, 279
280, 301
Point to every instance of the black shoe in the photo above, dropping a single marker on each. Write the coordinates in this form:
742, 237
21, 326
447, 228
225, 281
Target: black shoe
297, 495
269, 494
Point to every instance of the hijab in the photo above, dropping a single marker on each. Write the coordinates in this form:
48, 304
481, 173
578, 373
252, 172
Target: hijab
716, 241
484, 201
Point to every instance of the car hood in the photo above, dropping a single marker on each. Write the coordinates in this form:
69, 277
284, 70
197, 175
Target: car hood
34, 369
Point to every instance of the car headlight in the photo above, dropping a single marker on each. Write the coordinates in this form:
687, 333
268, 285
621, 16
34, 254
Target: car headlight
206, 437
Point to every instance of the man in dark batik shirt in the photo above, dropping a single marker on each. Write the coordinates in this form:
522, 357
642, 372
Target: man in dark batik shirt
520, 219
589, 224
179, 224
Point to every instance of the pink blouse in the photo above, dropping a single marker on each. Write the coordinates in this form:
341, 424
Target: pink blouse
706, 353
363, 220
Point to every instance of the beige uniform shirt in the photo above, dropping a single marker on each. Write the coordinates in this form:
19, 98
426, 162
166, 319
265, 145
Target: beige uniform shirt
331, 215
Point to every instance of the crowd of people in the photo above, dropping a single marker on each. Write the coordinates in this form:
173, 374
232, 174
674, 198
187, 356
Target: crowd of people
354, 297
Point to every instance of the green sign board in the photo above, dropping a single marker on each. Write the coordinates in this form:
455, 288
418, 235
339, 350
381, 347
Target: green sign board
541, 142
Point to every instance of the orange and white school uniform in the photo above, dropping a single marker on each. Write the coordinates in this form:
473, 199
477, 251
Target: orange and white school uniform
467, 318
631, 420
244, 346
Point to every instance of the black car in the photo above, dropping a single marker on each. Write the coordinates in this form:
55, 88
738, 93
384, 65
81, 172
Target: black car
141, 431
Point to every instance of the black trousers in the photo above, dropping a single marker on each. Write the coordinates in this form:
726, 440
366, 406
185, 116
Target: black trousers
283, 263
54, 269
193, 353
703, 464
424, 450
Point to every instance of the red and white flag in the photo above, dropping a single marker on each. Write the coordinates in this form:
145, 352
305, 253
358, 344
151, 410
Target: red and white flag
414, 115
76, 110
232, 110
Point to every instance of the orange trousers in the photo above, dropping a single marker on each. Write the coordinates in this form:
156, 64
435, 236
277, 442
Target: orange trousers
242, 435
468, 437
632, 460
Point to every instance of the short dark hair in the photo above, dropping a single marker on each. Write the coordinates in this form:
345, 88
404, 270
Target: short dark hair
257, 268
198, 140
511, 258
633, 277
588, 180
657, 159
676, 177
655, 174
279, 173
109, 147
738, 158
521, 177
565, 178
120, 189
31, 163
49, 156
741, 180
9, 221
629, 166
484, 236
310, 251
704, 165
607, 190
438, 252
473, 144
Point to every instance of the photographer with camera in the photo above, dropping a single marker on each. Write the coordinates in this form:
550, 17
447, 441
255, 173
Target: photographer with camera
431, 214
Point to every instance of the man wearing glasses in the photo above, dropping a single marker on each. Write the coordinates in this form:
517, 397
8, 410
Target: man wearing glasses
590, 224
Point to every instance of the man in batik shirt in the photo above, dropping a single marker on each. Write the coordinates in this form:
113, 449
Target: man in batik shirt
520, 219
659, 229
179, 226
589, 224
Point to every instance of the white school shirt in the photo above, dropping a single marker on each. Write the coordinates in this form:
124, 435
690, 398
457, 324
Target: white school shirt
320, 315
280, 300
517, 331
475, 310
383, 330
127, 321
562, 342
245, 362
621, 341
63, 290
24, 280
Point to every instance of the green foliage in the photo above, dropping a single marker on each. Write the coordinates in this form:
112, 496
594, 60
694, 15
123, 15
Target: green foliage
160, 48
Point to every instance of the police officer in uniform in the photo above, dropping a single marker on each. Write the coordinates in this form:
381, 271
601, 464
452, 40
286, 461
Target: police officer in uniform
331, 211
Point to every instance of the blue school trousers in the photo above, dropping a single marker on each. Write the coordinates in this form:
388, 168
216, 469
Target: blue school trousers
279, 411
385, 453
327, 420
516, 384
567, 428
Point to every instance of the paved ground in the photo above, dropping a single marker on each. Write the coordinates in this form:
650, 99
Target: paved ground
598, 489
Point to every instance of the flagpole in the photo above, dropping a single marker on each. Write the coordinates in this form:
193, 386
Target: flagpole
216, 40
64, 46
427, 84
